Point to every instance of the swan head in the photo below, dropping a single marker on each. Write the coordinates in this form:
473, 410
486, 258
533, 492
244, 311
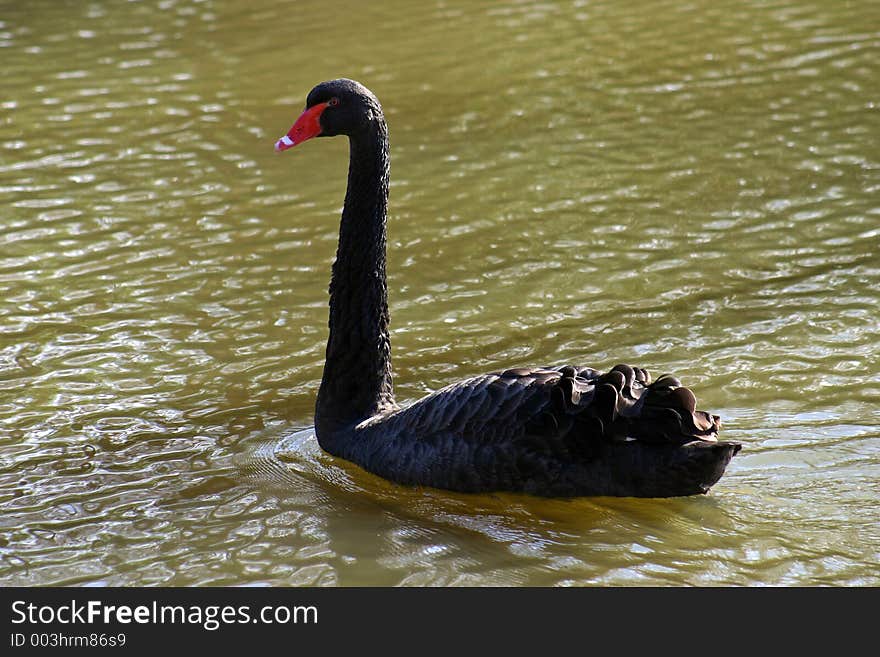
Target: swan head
335, 107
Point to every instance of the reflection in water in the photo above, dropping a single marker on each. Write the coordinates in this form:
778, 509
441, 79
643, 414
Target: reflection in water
427, 523
687, 186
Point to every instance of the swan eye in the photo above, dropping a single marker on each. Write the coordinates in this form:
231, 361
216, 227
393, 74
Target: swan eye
333, 102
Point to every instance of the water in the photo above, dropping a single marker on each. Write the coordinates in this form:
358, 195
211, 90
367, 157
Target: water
691, 187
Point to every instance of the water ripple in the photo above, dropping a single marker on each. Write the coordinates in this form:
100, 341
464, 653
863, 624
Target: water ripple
687, 186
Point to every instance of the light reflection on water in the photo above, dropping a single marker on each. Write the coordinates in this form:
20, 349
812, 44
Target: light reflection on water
687, 187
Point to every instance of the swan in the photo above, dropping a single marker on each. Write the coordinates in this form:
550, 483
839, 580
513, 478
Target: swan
562, 431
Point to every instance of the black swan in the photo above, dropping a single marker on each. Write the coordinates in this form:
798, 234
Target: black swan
551, 431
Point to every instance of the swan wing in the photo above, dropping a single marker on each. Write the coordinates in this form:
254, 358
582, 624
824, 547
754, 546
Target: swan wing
563, 403
526, 428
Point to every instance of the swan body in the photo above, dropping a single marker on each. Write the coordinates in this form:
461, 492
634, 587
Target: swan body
560, 431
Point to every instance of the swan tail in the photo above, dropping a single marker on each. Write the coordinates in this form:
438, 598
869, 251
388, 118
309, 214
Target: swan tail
628, 435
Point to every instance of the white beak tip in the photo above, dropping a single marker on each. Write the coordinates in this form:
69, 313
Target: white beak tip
283, 144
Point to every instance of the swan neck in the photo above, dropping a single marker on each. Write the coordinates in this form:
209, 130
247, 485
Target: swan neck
357, 380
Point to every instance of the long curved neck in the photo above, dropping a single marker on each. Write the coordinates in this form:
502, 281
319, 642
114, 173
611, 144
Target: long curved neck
357, 373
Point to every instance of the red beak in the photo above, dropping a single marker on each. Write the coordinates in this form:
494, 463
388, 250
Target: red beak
308, 125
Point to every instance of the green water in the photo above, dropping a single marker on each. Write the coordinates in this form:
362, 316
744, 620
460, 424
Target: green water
690, 187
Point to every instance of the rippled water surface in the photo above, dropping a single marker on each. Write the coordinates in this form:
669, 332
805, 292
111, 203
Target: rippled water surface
687, 186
